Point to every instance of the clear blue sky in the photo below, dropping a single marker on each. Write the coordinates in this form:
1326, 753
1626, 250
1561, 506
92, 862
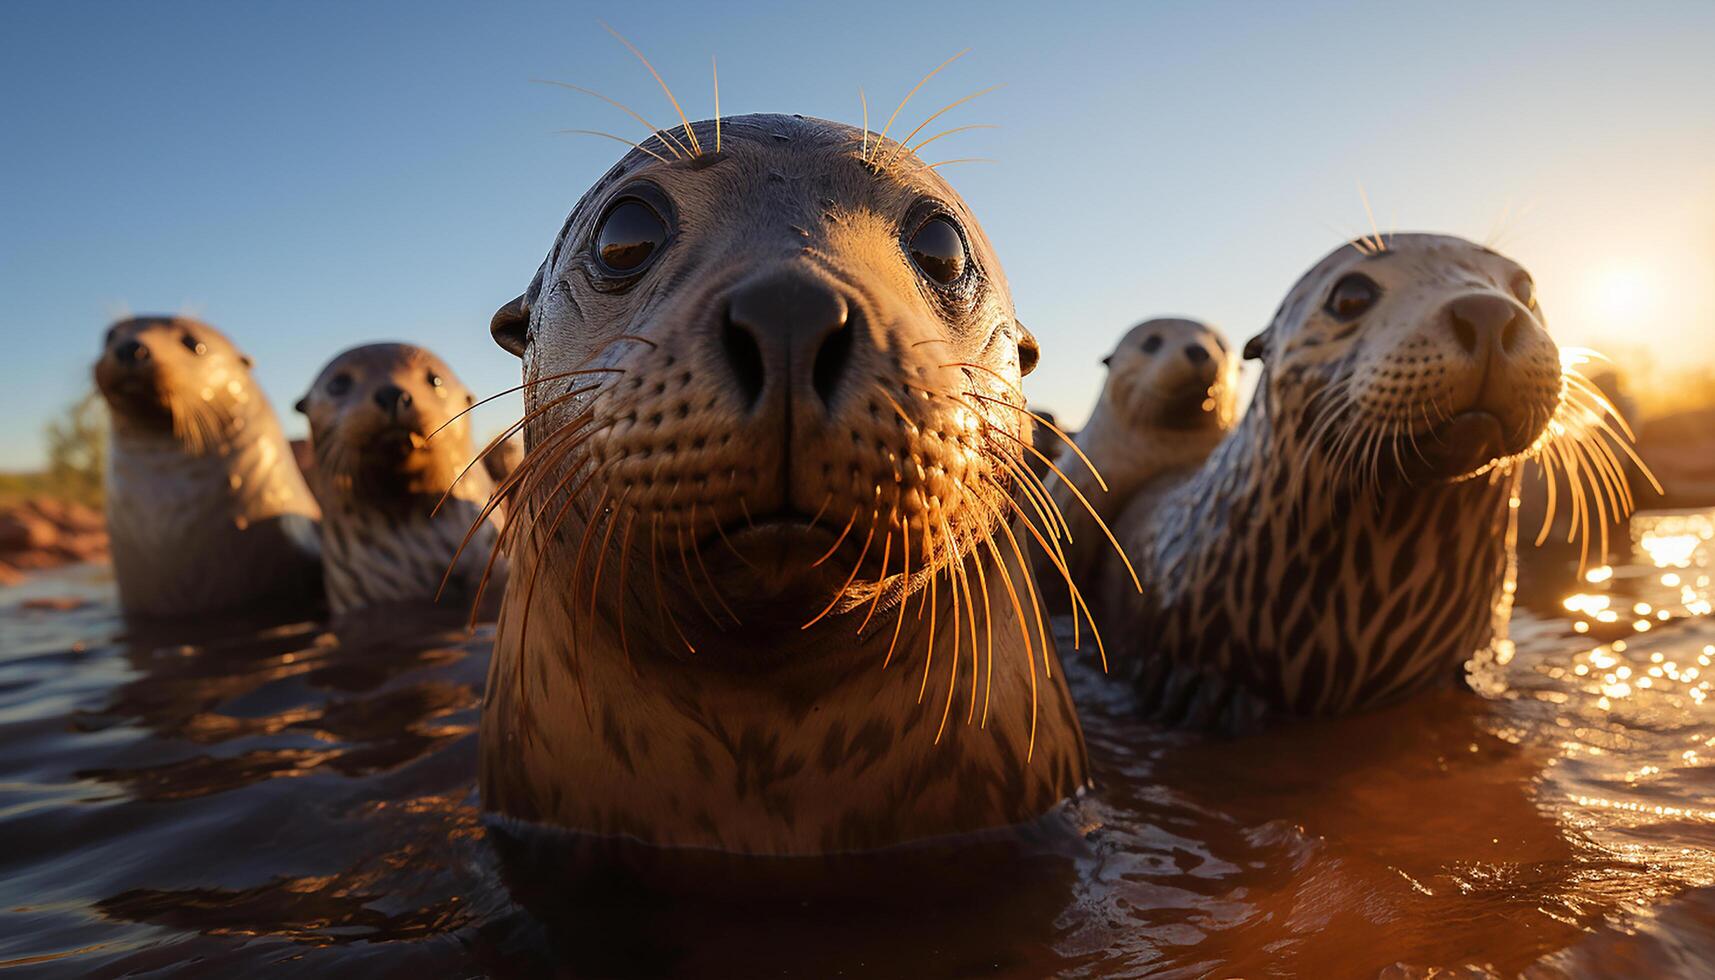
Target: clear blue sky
311, 175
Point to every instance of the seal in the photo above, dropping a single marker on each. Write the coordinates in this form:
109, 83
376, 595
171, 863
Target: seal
1352, 541
767, 595
1171, 395
396, 480
206, 508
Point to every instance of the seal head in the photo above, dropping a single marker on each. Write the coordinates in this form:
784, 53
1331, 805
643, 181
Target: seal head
773, 394
395, 479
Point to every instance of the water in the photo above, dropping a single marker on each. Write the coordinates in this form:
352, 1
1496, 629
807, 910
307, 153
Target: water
218, 802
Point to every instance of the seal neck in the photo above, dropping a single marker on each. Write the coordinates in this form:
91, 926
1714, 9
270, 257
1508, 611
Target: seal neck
827, 750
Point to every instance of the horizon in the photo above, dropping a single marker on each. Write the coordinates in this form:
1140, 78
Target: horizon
309, 179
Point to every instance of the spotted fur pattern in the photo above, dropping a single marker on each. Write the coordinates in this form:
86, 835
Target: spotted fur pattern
1294, 575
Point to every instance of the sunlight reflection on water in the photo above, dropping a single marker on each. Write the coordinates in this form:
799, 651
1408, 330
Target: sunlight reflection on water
284, 798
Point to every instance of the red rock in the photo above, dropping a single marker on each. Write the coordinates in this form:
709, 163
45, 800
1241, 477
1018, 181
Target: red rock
64, 603
84, 519
24, 530
33, 561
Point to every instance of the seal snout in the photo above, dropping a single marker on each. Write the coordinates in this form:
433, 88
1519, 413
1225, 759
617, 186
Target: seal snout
392, 399
787, 334
130, 353
1486, 325
1506, 350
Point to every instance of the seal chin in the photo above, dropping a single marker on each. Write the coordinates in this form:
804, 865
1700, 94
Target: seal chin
1460, 446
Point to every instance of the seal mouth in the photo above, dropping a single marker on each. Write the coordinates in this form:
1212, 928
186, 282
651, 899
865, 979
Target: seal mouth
398, 440
1462, 445
1189, 406
787, 533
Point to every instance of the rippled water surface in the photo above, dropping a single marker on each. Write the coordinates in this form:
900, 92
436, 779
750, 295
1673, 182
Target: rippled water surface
233, 800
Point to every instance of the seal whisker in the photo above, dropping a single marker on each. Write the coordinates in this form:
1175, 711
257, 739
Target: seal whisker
953, 660
1079, 494
624, 568
988, 634
931, 600
661, 603
1035, 605
956, 160
611, 136
840, 593
837, 541
1075, 595
1058, 432
904, 600
900, 147
715, 72
950, 132
863, 101
667, 138
690, 136
881, 577
504, 435
528, 384
826, 500
1024, 635
908, 95
697, 550
505, 489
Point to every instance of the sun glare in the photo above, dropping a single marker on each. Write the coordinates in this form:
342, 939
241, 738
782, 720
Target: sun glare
1625, 296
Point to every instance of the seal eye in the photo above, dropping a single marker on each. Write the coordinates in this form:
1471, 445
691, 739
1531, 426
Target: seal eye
1152, 343
629, 236
339, 384
436, 380
193, 345
1525, 289
1352, 297
939, 250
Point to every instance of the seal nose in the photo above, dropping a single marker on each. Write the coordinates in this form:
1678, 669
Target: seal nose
130, 352
1485, 322
392, 399
790, 322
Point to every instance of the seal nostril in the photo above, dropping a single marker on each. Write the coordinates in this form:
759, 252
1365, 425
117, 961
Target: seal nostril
392, 398
130, 352
1465, 334
1510, 333
831, 362
1196, 354
745, 359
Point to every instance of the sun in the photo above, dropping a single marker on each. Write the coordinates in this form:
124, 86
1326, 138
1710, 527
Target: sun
1624, 296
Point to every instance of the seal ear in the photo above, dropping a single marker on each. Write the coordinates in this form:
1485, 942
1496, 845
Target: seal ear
247, 361
1029, 351
510, 325
1108, 361
302, 405
1256, 347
